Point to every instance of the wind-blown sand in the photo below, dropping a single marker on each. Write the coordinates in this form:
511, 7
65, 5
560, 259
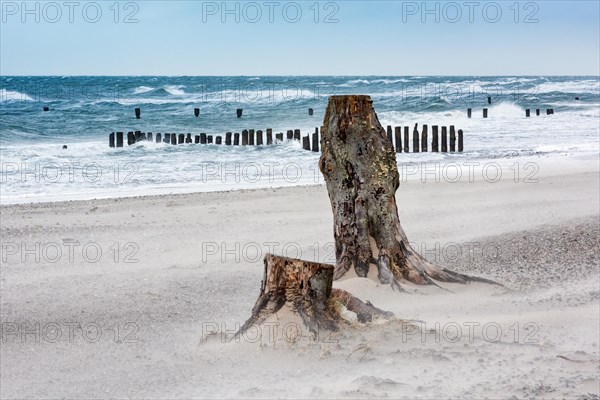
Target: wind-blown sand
537, 338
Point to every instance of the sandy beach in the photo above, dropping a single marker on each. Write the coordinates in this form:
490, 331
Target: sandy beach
112, 298
300, 200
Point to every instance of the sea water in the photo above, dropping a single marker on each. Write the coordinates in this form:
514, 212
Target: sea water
84, 110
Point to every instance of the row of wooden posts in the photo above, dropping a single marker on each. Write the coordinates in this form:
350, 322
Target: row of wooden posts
238, 112
549, 111
420, 140
250, 137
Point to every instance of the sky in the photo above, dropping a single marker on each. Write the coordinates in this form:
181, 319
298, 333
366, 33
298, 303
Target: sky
205, 38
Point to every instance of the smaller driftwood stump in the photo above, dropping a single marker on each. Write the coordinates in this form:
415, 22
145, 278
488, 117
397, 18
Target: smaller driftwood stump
306, 288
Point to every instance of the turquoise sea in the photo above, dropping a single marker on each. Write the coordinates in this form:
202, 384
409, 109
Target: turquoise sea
82, 111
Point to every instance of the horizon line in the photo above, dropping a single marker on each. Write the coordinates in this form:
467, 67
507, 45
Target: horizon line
283, 75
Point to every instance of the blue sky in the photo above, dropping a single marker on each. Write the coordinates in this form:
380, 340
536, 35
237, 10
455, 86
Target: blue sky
291, 38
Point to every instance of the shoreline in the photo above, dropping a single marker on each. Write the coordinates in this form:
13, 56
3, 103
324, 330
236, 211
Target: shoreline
409, 172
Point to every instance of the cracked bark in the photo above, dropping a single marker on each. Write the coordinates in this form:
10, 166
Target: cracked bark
359, 165
306, 287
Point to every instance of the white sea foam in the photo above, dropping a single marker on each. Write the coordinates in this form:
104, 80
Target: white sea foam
355, 81
506, 109
587, 86
11, 95
176, 90
253, 94
134, 101
142, 89
390, 81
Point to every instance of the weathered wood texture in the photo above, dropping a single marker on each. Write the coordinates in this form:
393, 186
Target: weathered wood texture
359, 166
306, 288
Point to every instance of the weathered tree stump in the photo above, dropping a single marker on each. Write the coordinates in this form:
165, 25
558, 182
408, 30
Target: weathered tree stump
360, 170
305, 288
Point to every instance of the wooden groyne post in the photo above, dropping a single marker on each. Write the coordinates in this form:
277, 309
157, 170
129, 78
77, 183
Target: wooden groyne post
460, 140
239, 112
138, 113
469, 113
452, 139
444, 140
416, 139
306, 142
485, 113
398, 137
315, 140
259, 137
424, 139
406, 139
434, 139
269, 136
111, 140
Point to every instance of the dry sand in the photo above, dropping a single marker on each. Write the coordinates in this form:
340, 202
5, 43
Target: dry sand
189, 263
